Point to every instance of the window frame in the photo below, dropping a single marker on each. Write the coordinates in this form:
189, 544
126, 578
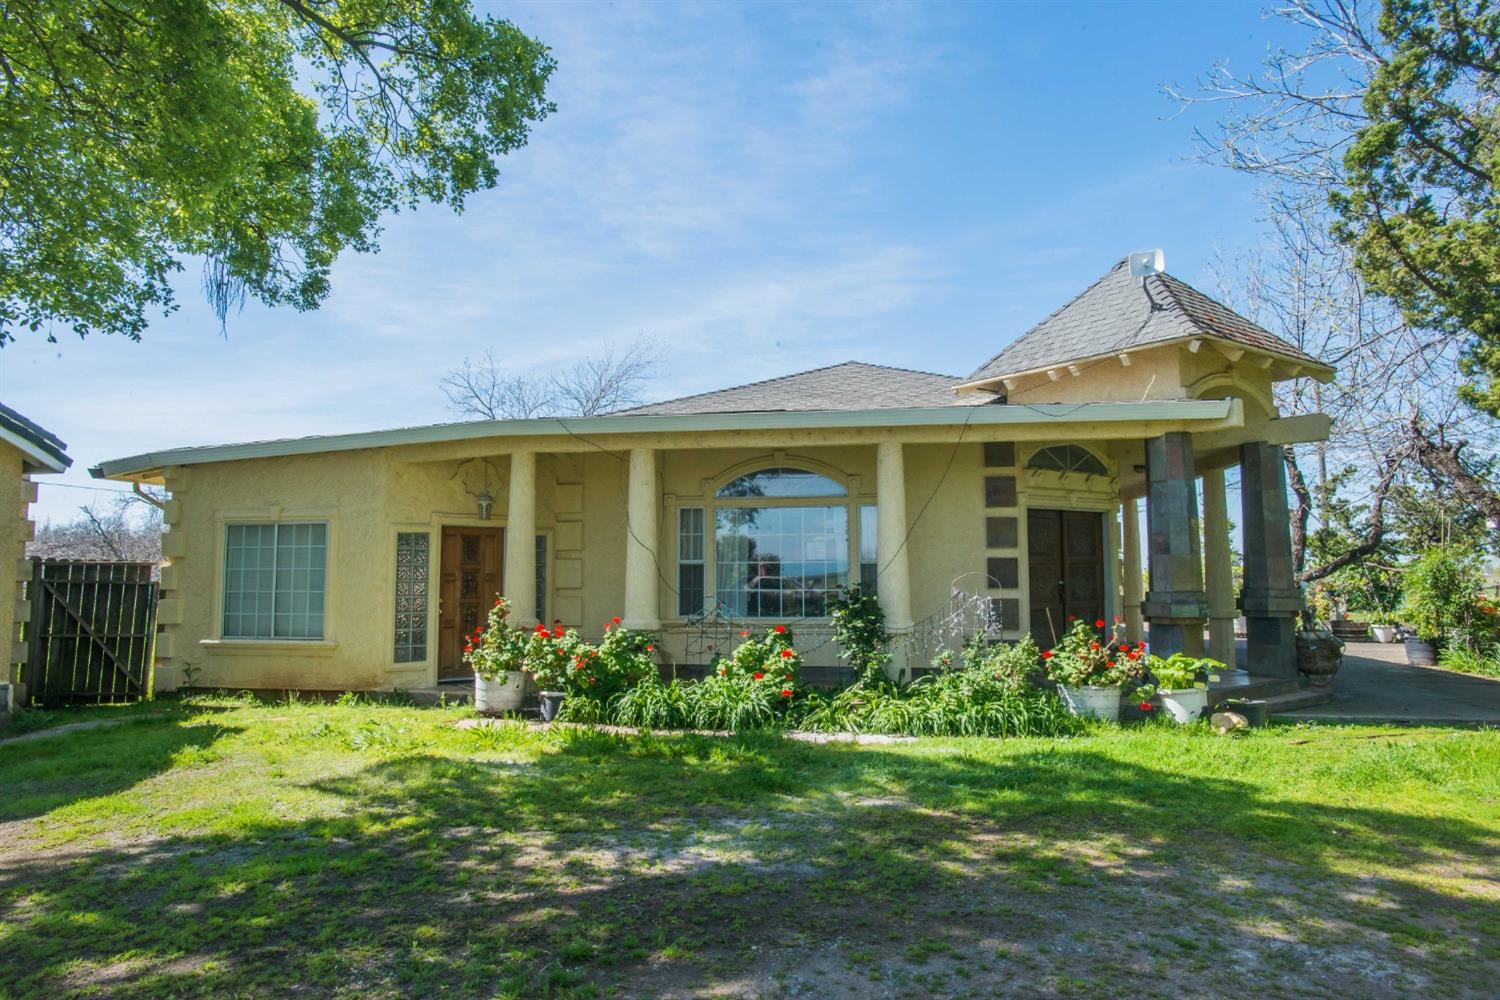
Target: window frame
286, 518
853, 499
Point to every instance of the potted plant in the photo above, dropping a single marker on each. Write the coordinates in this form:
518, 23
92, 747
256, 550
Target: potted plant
1383, 624
496, 651
1320, 653
1091, 670
1182, 681
553, 656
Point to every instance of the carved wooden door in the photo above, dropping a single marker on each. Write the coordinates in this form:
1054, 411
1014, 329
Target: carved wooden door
471, 561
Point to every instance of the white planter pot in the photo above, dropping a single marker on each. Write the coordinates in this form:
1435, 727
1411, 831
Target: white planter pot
1092, 702
503, 694
1384, 633
1185, 705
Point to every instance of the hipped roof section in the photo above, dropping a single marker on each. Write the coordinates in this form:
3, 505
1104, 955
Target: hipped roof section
1121, 312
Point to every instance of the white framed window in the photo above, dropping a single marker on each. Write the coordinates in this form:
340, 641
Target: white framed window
692, 562
782, 539
274, 580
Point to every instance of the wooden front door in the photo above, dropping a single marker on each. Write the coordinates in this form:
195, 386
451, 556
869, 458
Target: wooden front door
1065, 553
470, 574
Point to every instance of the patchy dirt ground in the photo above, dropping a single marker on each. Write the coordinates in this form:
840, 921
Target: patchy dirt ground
334, 854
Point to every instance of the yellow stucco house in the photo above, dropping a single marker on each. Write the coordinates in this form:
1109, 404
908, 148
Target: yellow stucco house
357, 561
26, 449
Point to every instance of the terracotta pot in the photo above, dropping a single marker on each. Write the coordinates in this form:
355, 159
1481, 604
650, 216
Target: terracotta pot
1319, 657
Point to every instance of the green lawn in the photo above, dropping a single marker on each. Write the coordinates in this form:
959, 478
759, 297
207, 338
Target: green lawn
232, 849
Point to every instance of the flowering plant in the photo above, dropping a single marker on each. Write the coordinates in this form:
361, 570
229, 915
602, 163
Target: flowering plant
553, 654
496, 648
1088, 657
770, 659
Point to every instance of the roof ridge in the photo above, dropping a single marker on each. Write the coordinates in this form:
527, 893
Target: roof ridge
893, 368
1043, 321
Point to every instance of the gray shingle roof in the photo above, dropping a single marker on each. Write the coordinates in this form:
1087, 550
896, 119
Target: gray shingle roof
1114, 314
852, 385
39, 437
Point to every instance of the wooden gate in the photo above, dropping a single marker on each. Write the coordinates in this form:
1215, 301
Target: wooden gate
92, 632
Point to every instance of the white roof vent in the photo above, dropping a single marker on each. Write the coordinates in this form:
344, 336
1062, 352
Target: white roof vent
1144, 263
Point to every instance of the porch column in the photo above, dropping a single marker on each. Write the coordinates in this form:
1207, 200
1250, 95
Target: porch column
1216, 569
1130, 524
1270, 597
520, 539
894, 586
1175, 604
641, 569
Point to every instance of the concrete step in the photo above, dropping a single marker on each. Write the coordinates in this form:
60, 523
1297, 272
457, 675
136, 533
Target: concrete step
1305, 698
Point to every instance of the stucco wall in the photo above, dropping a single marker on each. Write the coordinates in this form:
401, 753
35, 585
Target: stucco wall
366, 497
16, 494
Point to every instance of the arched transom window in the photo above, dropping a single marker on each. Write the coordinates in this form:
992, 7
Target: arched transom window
1068, 458
781, 539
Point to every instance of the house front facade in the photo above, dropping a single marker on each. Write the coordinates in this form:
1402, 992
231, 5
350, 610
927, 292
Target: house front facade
359, 561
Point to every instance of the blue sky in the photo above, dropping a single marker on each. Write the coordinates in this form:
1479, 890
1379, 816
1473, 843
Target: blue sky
760, 188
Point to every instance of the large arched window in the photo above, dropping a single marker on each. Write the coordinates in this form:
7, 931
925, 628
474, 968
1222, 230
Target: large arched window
781, 540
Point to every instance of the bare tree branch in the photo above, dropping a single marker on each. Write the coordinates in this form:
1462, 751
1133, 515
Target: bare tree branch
485, 389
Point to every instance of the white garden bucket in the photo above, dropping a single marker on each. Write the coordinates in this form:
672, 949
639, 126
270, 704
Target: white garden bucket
1384, 633
1185, 705
1092, 702
503, 694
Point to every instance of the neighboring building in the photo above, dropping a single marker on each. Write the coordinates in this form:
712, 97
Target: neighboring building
25, 450
359, 560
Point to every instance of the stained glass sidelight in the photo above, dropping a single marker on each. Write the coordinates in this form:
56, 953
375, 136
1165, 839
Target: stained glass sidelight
411, 596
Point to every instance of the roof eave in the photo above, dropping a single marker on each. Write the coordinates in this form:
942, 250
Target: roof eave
38, 459
152, 463
1310, 368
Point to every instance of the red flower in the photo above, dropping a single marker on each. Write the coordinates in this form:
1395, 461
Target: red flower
650, 649
1117, 619
786, 677
1141, 645
1093, 645
758, 675
786, 692
1046, 654
557, 632
1072, 618
615, 620
541, 629
1145, 706
780, 629
745, 634
787, 654
1109, 664
593, 679
1099, 623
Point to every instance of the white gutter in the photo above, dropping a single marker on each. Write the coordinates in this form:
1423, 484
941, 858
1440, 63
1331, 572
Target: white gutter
1207, 410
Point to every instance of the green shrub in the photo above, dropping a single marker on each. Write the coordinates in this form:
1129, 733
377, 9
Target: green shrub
736, 702
991, 695
652, 704
1465, 661
859, 630
1441, 588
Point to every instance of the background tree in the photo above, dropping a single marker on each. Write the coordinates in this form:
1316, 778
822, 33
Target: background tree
125, 529
262, 136
614, 379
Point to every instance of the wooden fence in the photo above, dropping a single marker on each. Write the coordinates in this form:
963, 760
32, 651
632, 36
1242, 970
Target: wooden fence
92, 632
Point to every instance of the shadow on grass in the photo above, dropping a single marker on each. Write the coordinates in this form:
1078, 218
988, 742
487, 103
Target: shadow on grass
692, 865
49, 773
